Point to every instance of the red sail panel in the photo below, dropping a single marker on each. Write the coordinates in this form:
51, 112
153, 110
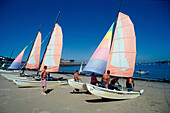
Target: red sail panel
123, 52
53, 53
33, 60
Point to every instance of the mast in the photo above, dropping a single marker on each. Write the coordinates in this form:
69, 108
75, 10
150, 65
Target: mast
33, 43
115, 24
11, 53
49, 40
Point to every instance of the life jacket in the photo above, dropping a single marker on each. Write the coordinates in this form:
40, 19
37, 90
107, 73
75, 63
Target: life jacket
129, 80
104, 78
76, 76
44, 74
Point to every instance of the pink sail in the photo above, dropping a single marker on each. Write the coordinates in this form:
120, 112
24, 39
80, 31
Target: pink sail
98, 61
33, 60
53, 52
123, 52
17, 62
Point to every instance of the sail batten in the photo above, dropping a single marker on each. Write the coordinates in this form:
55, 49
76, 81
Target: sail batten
52, 54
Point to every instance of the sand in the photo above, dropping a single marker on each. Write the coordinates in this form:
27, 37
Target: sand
60, 99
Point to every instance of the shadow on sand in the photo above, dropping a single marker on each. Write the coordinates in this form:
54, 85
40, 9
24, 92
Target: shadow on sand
86, 92
102, 100
27, 86
48, 91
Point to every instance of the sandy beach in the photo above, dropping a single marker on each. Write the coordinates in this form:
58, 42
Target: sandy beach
60, 99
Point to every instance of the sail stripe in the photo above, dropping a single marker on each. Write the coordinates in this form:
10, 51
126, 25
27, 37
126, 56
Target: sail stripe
33, 60
53, 53
96, 66
123, 52
17, 62
98, 61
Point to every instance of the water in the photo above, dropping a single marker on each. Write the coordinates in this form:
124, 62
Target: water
156, 71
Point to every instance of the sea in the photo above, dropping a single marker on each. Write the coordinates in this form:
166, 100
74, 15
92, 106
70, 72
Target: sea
155, 71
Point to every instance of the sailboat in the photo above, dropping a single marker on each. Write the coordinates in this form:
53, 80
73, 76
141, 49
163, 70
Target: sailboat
117, 53
34, 56
121, 60
51, 59
98, 61
32, 61
81, 70
3, 65
17, 62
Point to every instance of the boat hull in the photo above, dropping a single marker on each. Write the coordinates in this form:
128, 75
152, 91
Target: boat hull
15, 77
142, 72
38, 83
112, 94
77, 85
9, 71
8, 75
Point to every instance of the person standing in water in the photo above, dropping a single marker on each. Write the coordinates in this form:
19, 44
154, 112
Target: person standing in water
43, 80
106, 79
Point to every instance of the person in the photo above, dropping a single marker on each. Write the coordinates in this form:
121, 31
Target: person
106, 79
43, 80
77, 79
129, 83
114, 81
94, 79
76, 76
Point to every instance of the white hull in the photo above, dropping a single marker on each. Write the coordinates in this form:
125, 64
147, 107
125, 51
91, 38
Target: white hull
5, 75
38, 83
12, 77
77, 85
142, 72
9, 71
18, 78
112, 94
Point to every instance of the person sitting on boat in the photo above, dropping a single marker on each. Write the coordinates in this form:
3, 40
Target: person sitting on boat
114, 81
130, 84
43, 80
76, 78
94, 79
106, 79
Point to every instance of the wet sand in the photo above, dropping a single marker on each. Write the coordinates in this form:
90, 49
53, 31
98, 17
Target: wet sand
60, 99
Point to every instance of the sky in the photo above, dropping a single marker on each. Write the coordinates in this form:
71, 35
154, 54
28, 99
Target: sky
84, 24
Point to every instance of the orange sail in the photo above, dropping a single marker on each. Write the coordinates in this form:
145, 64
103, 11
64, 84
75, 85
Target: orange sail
52, 54
33, 60
123, 51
